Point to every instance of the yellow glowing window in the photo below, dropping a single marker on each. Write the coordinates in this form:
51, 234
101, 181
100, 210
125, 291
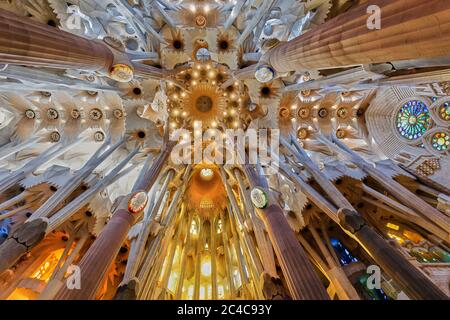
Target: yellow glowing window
202, 293
191, 292
392, 226
220, 292
210, 292
414, 237
46, 269
206, 267
219, 226
173, 279
193, 229
393, 236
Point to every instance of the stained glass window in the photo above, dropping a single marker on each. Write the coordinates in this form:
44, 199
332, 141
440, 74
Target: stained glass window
413, 119
371, 294
4, 229
434, 99
444, 111
342, 252
440, 141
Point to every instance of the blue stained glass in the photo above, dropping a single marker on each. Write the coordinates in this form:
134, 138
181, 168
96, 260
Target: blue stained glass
344, 255
413, 120
4, 230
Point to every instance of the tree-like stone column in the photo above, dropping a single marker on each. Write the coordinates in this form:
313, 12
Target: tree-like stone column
302, 280
410, 29
96, 262
30, 43
409, 278
415, 283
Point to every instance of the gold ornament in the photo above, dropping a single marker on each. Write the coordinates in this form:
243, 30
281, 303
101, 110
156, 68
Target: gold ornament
340, 133
200, 21
121, 73
302, 133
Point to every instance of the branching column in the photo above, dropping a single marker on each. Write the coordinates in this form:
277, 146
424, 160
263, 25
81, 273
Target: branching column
410, 29
409, 278
27, 42
399, 191
303, 282
98, 259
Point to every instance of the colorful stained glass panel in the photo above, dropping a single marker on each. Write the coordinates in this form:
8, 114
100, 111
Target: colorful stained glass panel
413, 120
440, 141
444, 111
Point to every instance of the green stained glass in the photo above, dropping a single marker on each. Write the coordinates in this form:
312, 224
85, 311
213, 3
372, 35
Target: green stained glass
444, 111
440, 141
413, 120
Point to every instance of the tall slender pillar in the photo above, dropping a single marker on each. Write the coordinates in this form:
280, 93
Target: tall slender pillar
303, 282
409, 278
27, 42
127, 291
415, 283
98, 259
264, 245
410, 29
396, 189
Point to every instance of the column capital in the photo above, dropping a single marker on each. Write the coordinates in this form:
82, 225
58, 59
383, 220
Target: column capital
351, 220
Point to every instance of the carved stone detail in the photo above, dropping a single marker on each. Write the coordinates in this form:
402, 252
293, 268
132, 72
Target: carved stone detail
351, 220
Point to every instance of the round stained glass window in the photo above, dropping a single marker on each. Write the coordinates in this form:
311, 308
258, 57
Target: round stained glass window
444, 111
413, 120
440, 141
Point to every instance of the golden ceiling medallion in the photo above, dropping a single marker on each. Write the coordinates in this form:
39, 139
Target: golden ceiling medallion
305, 93
303, 113
99, 136
302, 133
204, 103
30, 114
118, 114
95, 114
55, 136
200, 21
340, 133
323, 113
284, 112
75, 113
342, 113
52, 114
